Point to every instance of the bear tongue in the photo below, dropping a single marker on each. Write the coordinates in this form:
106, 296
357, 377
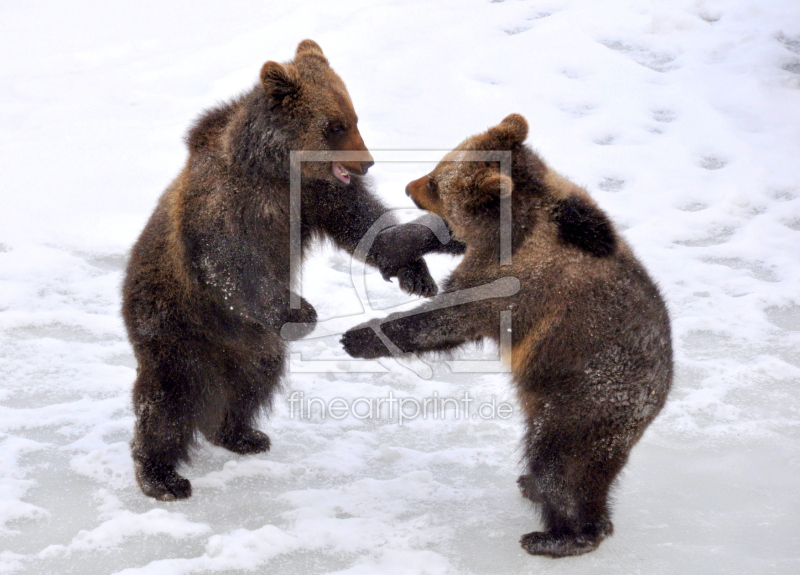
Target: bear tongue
341, 174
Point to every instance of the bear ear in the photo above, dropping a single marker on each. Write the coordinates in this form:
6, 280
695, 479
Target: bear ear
278, 83
512, 131
487, 189
310, 48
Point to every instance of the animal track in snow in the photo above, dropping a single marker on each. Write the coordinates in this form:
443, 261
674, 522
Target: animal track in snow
693, 207
793, 66
793, 224
791, 44
756, 269
611, 184
659, 62
719, 236
783, 194
664, 116
578, 110
605, 140
712, 163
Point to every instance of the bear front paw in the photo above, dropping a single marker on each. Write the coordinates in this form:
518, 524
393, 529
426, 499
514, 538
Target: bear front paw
298, 323
363, 342
527, 486
415, 279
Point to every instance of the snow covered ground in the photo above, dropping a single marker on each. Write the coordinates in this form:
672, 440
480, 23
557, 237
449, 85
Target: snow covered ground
682, 118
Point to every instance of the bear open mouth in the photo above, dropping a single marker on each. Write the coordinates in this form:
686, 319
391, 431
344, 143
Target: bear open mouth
341, 174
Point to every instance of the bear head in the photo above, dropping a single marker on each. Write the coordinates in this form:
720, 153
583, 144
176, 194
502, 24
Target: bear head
316, 112
464, 190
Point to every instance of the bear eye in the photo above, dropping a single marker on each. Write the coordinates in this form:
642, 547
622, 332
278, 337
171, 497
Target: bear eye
335, 129
431, 184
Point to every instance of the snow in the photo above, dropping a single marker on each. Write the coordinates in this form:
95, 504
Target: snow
682, 119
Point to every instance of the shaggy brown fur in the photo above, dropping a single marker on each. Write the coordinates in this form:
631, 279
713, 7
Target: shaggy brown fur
208, 285
591, 355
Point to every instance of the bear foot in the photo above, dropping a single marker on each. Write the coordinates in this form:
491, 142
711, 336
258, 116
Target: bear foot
563, 545
164, 484
245, 441
527, 486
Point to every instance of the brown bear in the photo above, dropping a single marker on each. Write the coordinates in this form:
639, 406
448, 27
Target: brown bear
208, 285
591, 355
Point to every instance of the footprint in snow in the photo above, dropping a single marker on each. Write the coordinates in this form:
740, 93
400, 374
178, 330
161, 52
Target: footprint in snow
605, 140
717, 237
660, 62
693, 207
791, 44
756, 269
611, 184
793, 66
664, 115
793, 224
712, 163
783, 194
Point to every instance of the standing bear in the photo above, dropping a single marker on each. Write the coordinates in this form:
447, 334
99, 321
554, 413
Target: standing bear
209, 282
591, 355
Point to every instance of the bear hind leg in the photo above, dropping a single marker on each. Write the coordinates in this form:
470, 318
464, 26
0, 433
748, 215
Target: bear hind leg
569, 532
161, 441
252, 391
241, 439
571, 485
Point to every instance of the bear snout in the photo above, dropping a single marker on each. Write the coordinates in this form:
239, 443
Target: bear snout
419, 192
358, 168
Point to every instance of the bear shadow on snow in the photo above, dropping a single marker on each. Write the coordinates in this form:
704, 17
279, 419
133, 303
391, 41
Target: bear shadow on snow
208, 285
591, 354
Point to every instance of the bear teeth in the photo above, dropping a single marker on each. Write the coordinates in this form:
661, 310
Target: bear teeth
340, 173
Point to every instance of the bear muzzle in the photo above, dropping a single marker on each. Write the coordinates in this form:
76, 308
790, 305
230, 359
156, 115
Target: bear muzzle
420, 192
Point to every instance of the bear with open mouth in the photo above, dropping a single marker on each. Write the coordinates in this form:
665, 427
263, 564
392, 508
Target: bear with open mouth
209, 283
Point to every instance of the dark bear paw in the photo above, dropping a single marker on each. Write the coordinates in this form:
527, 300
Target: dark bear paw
527, 486
363, 342
562, 545
245, 441
415, 279
298, 323
164, 485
